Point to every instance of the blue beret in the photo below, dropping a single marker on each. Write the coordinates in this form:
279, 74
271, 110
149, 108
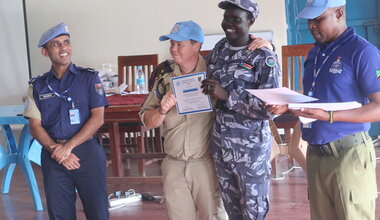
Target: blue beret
59, 29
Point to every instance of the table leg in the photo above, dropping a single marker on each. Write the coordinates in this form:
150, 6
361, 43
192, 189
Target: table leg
11, 159
141, 149
26, 167
117, 164
21, 158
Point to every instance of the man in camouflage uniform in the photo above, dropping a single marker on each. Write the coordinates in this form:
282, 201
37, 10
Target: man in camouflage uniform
241, 135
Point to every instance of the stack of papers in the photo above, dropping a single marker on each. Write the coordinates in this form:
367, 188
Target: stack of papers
294, 100
280, 96
334, 106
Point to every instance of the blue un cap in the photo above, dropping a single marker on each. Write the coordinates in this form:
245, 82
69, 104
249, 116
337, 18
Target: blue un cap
314, 8
185, 30
53, 32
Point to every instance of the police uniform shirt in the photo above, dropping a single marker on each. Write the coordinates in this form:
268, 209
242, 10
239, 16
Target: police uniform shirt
83, 87
350, 73
186, 136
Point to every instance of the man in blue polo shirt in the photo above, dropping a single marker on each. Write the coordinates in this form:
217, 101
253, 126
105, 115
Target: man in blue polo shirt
341, 160
65, 107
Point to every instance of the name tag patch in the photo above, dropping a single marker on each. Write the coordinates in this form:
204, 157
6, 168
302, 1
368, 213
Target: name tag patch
47, 96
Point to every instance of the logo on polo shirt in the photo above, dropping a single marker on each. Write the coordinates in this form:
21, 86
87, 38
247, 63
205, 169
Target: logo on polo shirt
336, 67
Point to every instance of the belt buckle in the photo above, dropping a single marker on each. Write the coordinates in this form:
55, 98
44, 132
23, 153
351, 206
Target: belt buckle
60, 141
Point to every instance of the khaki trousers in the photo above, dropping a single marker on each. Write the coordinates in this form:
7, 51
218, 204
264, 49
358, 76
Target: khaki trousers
343, 186
191, 190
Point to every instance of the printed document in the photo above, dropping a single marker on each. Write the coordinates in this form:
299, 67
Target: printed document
188, 92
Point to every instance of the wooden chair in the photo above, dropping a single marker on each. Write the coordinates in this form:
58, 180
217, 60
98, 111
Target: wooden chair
134, 137
127, 67
295, 148
292, 74
293, 57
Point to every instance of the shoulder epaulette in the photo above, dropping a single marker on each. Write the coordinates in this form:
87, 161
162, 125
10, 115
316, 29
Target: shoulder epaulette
32, 80
162, 69
89, 70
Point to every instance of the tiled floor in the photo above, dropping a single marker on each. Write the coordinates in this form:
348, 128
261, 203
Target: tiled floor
288, 199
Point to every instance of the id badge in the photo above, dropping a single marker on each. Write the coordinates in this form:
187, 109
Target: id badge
74, 116
306, 125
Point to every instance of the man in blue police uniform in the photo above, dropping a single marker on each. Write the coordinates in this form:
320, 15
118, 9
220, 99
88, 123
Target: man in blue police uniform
65, 107
341, 160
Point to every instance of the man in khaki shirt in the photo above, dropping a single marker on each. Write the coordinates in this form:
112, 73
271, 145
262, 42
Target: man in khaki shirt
189, 175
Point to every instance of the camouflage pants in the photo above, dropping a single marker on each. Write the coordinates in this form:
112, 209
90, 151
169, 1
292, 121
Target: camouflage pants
245, 196
236, 189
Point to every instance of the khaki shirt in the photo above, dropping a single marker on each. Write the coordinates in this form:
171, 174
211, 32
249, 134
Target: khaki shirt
30, 107
186, 136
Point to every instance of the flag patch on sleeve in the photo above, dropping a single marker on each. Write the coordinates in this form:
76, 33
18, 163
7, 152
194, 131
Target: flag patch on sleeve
99, 88
378, 74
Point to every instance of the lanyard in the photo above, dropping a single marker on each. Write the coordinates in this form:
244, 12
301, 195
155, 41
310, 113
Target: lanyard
61, 95
316, 72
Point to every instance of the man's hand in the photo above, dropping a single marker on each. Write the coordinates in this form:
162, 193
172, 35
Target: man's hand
71, 162
61, 152
167, 102
212, 87
276, 109
259, 42
315, 113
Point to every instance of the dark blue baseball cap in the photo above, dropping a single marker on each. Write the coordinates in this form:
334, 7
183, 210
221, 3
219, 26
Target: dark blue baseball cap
53, 32
185, 30
314, 8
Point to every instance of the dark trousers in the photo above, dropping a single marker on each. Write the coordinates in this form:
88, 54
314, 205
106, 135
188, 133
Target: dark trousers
89, 180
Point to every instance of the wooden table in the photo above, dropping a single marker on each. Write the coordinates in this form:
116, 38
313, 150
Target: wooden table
124, 109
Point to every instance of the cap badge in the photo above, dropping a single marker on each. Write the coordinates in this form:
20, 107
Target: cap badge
66, 28
175, 28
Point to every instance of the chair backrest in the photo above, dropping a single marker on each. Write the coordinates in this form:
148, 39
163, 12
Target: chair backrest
293, 57
204, 52
127, 68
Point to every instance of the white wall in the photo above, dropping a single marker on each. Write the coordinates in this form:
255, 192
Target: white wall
101, 30
14, 73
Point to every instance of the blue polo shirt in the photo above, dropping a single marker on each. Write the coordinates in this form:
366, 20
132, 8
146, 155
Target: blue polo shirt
85, 90
350, 73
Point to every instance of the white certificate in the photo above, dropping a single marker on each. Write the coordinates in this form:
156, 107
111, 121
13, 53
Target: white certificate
336, 106
188, 92
280, 96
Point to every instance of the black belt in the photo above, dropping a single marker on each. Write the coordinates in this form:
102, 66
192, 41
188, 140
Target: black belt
61, 141
340, 144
